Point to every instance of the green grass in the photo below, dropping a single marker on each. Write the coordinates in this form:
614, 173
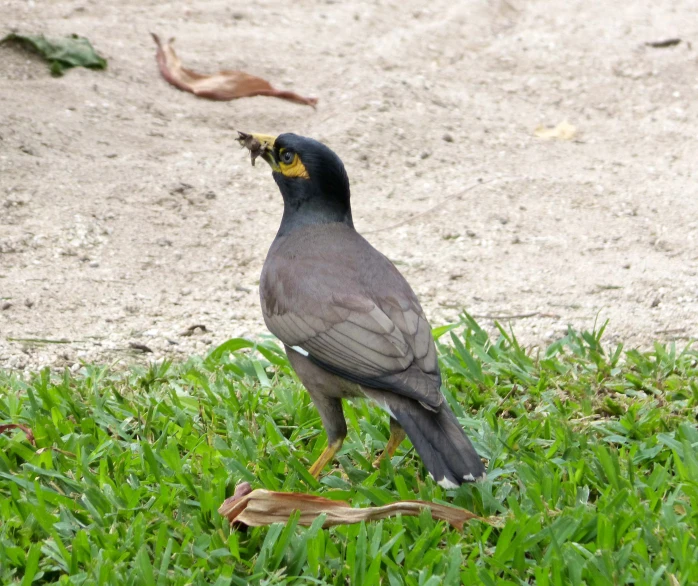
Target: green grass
593, 472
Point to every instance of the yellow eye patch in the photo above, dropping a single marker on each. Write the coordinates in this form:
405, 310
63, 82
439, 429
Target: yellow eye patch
295, 168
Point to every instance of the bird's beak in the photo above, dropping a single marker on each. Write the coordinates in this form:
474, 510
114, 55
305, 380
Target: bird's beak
260, 145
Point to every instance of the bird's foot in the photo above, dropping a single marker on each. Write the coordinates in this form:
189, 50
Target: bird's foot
397, 434
327, 455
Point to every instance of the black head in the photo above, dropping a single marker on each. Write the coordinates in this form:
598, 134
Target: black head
310, 176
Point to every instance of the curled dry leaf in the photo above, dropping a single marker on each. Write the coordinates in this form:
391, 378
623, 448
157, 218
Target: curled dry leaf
256, 508
223, 86
563, 131
28, 432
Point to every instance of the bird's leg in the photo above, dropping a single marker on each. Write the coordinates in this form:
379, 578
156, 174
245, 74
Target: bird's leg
325, 391
327, 455
397, 434
332, 415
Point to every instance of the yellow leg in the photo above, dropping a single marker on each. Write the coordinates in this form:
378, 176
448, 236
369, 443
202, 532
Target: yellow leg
397, 434
327, 455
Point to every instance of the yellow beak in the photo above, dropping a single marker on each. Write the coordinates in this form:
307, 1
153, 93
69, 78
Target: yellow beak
260, 145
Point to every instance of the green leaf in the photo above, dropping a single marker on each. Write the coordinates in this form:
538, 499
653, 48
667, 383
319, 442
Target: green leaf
62, 53
228, 347
144, 567
32, 564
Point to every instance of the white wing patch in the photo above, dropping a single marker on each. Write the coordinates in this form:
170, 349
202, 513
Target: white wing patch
299, 350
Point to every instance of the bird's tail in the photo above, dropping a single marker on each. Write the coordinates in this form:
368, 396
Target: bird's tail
439, 440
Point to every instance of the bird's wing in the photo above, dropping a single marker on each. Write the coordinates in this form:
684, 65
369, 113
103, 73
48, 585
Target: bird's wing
376, 336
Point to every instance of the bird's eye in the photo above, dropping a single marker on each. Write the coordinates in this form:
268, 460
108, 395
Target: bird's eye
287, 157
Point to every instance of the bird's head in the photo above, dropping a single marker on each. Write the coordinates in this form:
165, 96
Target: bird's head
310, 176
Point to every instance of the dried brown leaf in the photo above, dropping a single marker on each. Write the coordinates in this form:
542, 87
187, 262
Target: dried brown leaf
256, 508
563, 131
223, 86
28, 432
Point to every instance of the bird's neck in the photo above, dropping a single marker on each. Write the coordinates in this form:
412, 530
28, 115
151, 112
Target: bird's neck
303, 207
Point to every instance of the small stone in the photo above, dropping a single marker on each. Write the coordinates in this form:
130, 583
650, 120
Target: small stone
470, 233
210, 195
140, 347
94, 264
447, 137
181, 188
28, 303
5, 305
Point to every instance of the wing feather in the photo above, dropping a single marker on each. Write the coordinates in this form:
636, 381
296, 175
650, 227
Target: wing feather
360, 320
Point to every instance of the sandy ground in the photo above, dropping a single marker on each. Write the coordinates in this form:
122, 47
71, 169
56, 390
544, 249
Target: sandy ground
128, 213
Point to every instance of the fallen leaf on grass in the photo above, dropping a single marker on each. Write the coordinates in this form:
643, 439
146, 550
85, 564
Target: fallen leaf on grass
563, 131
256, 508
28, 432
62, 53
222, 86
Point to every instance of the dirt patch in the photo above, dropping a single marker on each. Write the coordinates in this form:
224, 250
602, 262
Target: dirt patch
128, 213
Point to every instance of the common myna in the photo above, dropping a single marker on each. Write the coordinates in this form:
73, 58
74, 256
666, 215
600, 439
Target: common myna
349, 321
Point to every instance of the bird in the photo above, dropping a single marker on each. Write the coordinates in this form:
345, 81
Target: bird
351, 325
